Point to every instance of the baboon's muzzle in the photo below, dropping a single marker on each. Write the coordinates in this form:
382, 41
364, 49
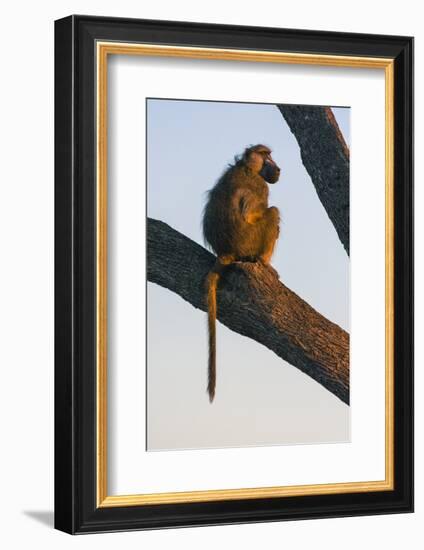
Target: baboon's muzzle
270, 172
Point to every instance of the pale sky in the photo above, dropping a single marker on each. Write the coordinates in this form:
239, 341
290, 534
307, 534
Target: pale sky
260, 399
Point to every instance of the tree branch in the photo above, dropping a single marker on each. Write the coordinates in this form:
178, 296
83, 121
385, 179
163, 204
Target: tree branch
325, 156
253, 302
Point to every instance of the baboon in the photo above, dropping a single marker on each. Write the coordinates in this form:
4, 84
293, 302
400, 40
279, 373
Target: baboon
239, 226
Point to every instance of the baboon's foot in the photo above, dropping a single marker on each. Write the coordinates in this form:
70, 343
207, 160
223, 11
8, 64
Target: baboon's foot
247, 259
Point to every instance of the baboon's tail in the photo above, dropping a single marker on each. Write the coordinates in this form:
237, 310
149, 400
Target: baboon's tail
211, 287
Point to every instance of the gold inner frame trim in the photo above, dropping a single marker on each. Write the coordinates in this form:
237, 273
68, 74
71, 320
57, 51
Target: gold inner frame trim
103, 49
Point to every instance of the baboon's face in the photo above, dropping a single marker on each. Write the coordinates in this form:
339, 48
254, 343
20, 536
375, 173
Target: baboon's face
259, 159
270, 171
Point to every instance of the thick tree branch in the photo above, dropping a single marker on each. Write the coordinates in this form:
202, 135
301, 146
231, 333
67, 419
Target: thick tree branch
253, 302
325, 156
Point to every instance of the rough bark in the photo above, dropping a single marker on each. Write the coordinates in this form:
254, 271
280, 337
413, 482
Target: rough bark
253, 302
325, 156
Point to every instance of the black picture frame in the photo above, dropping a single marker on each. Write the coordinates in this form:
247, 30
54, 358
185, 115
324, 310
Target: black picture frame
76, 509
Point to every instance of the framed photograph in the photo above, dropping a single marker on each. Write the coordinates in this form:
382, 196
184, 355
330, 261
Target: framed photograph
234, 274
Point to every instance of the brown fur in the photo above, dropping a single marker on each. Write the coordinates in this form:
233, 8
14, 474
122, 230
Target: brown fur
239, 225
